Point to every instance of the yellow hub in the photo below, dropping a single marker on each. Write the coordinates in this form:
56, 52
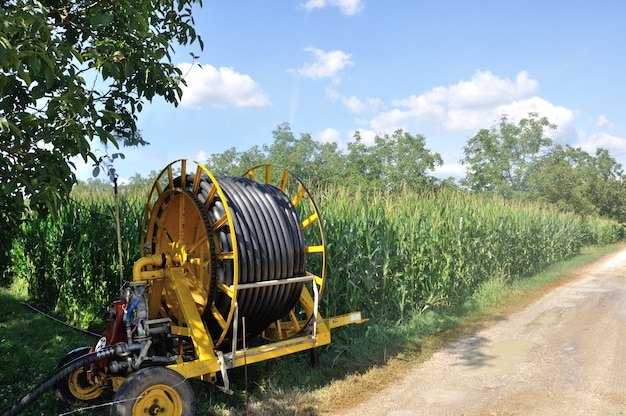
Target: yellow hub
81, 387
159, 399
179, 253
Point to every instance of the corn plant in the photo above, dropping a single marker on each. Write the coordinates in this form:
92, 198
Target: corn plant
391, 255
69, 262
395, 255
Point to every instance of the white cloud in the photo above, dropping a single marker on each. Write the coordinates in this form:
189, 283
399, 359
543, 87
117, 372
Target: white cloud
615, 145
392, 120
604, 122
201, 157
355, 105
326, 64
456, 170
487, 90
561, 116
471, 105
367, 136
483, 91
347, 7
329, 135
208, 86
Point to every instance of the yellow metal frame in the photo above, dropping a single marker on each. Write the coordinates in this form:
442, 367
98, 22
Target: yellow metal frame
209, 361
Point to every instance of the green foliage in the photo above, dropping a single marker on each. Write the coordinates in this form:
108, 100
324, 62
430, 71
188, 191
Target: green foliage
393, 162
498, 158
286, 385
31, 346
72, 73
311, 160
520, 161
392, 253
574, 180
406, 259
233, 163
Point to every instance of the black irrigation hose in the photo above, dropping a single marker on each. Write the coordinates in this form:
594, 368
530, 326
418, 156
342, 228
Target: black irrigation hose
270, 245
57, 377
75, 328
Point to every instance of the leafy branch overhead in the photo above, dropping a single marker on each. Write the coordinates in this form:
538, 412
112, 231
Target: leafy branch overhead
72, 73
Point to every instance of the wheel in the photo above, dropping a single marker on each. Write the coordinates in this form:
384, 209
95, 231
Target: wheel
77, 385
154, 391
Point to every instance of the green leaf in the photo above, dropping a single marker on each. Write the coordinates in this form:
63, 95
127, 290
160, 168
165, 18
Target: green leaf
3, 49
47, 58
35, 64
101, 19
4, 123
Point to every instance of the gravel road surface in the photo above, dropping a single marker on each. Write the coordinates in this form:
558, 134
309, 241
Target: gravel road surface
563, 355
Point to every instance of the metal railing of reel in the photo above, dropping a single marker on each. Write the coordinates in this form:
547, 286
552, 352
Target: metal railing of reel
249, 246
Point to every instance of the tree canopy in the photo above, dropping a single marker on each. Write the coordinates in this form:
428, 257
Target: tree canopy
521, 161
498, 158
514, 160
392, 162
574, 180
72, 73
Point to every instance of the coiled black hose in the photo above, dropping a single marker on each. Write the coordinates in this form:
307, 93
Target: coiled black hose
270, 245
57, 377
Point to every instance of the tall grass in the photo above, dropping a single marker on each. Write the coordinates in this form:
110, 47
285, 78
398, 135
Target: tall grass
391, 255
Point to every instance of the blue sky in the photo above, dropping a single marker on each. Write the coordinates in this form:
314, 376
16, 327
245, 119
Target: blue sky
443, 69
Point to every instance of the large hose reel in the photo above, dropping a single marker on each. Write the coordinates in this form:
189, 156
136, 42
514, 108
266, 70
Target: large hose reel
224, 258
250, 247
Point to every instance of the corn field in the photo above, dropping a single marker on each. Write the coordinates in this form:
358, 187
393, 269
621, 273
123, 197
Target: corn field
393, 256
390, 255
70, 263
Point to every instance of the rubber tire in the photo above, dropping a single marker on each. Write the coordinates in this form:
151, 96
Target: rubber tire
138, 383
62, 390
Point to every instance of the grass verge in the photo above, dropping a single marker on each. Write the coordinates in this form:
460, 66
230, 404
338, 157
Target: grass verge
31, 346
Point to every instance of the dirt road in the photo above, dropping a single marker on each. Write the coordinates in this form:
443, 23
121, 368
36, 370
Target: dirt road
564, 355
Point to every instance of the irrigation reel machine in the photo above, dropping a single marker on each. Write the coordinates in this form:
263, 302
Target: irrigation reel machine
225, 259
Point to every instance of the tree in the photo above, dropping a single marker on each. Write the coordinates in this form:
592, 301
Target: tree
363, 166
310, 159
498, 158
574, 180
234, 163
406, 161
393, 161
559, 178
72, 73
608, 187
